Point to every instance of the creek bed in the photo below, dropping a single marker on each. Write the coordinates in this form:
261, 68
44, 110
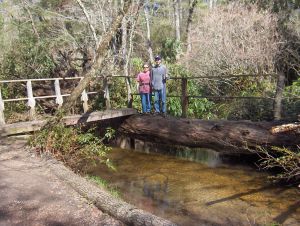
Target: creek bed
194, 193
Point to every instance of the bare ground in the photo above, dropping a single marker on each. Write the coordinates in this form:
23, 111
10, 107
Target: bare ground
31, 194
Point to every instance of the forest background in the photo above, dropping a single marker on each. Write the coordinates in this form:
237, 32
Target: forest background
243, 55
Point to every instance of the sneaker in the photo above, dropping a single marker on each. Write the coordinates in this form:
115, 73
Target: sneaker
164, 114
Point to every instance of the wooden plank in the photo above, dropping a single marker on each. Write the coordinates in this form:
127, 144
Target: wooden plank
25, 127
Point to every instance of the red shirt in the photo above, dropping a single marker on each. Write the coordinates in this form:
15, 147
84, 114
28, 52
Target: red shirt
143, 79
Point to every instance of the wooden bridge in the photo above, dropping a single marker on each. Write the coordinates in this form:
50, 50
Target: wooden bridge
33, 124
87, 116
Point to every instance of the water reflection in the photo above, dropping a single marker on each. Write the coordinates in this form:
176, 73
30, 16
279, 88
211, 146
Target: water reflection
192, 193
202, 155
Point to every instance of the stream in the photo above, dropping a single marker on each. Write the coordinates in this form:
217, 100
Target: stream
200, 190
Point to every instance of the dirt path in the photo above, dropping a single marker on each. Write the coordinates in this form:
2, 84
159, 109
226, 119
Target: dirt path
31, 194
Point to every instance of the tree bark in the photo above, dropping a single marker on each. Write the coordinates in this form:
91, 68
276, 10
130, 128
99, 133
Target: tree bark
99, 58
149, 45
193, 3
126, 68
231, 137
278, 96
177, 20
125, 60
89, 22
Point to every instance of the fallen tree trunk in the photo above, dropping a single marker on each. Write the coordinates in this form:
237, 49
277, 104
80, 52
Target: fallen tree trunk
231, 137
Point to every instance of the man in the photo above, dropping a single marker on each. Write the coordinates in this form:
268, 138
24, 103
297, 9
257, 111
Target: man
159, 75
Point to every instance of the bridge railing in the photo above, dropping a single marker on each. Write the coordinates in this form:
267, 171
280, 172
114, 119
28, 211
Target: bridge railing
185, 96
31, 99
58, 96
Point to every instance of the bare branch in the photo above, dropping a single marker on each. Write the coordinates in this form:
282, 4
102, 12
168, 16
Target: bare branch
89, 22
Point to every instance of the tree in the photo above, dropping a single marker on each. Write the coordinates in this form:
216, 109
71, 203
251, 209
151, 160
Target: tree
233, 40
146, 11
98, 60
192, 5
177, 20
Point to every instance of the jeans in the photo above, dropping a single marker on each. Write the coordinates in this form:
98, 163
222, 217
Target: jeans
160, 100
146, 103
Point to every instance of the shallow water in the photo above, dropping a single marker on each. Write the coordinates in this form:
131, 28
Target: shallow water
193, 193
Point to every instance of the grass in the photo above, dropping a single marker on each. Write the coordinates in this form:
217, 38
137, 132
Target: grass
104, 184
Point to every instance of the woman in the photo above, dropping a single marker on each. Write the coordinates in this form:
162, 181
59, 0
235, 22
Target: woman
143, 78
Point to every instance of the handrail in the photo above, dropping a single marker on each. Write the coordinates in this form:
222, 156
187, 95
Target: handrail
31, 99
42, 97
84, 96
124, 76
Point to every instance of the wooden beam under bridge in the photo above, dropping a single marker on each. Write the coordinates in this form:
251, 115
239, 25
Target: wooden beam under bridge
30, 126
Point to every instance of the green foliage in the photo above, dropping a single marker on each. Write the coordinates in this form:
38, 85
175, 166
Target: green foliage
174, 106
1, 21
170, 49
201, 108
294, 89
245, 108
78, 150
103, 183
198, 108
28, 59
51, 4
291, 105
137, 65
161, 31
177, 70
118, 94
273, 224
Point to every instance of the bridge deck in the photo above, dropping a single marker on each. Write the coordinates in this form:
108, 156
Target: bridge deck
30, 126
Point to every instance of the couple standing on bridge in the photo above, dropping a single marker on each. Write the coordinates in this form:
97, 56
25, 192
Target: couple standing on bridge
153, 81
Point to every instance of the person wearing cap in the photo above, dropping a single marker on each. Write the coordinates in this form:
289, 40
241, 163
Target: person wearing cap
159, 76
143, 79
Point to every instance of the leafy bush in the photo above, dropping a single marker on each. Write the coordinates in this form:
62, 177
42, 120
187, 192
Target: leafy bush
292, 105
78, 150
170, 49
28, 59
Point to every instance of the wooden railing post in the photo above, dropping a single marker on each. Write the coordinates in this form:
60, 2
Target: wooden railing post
2, 119
59, 99
184, 97
31, 100
84, 99
106, 94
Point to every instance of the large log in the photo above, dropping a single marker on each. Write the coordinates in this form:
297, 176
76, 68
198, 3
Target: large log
232, 137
